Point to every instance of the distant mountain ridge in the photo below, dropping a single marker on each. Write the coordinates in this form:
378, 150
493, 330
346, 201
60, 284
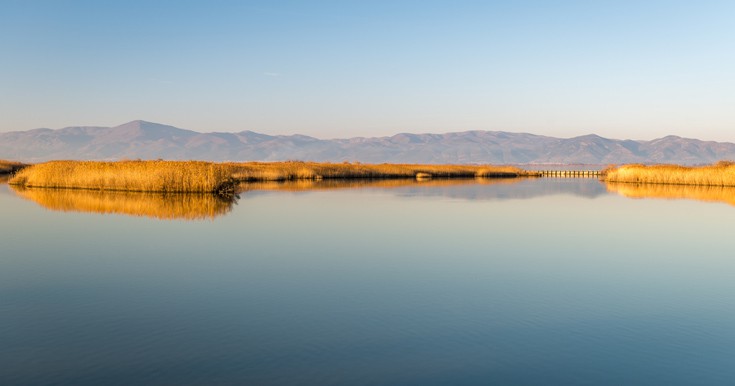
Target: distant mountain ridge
147, 140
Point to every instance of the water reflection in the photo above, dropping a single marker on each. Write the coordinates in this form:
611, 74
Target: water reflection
329, 184
662, 191
155, 205
465, 189
373, 286
205, 206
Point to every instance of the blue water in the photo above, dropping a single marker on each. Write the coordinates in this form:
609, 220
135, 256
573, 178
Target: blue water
537, 282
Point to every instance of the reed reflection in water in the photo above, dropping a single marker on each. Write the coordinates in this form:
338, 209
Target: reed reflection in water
181, 206
329, 184
665, 191
154, 205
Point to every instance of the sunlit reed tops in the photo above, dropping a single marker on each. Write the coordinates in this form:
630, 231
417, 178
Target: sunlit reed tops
719, 174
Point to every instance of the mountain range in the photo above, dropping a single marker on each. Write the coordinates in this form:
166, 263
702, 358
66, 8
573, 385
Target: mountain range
147, 140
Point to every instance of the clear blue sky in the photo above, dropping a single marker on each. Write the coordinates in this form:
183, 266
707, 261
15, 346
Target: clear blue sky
621, 69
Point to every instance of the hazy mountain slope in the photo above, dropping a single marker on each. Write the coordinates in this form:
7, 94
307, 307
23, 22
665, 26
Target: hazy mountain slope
146, 140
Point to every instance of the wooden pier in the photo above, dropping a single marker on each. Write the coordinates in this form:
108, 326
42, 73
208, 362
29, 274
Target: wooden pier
571, 173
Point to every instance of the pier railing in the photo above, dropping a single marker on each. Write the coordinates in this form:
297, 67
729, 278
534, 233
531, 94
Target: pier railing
571, 173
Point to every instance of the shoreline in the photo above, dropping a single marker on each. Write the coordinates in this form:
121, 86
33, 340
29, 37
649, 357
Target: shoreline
223, 178
8, 168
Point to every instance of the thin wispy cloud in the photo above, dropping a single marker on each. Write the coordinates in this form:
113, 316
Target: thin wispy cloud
272, 74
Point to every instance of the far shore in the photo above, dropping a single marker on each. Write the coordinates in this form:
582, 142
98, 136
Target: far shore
10, 167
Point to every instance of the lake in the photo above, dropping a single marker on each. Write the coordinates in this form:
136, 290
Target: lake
523, 282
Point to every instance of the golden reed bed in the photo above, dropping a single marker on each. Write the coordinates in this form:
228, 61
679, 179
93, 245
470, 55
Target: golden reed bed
719, 174
130, 176
705, 193
199, 176
155, 205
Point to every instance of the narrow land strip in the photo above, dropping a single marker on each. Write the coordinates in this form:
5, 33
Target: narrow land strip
222, 178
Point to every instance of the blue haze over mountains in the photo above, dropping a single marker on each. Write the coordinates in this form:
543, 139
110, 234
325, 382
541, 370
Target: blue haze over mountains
146, 140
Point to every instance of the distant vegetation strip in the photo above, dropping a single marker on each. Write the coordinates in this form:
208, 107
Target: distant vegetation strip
222, 178
719, 174
296, 170
9, 167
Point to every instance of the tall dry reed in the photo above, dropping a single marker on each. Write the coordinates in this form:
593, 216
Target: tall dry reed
136, 176
719, 174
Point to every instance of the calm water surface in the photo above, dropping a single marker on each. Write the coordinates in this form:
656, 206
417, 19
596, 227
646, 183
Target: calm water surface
533, 282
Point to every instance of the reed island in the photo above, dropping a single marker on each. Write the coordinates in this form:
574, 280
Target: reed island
223, 178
